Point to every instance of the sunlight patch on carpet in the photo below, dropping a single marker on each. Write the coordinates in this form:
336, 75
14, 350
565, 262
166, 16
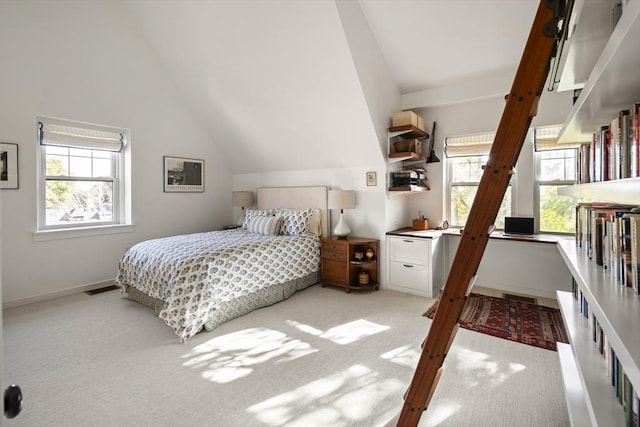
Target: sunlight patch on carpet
353, 331
229, 357
440, 412
403, 355
340, 399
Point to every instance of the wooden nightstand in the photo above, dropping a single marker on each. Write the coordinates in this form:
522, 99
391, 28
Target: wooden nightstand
340, 267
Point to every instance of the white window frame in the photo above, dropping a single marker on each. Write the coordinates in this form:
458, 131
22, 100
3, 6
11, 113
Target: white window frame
470, 146
121, 211
537, 183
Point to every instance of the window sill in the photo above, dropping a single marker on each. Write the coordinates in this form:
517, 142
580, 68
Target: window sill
66, 233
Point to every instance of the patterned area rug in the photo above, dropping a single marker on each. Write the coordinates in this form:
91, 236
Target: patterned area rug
513, 320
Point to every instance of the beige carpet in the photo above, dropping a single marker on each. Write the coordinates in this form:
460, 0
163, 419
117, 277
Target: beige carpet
321, 358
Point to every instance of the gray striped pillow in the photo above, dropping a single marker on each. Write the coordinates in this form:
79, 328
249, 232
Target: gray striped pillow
267, 225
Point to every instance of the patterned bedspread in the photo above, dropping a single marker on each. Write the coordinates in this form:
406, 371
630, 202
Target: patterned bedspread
194, 273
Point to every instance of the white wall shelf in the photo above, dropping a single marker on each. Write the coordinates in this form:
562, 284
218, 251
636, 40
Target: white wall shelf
617, 309
613, 84
397, 159
625, 191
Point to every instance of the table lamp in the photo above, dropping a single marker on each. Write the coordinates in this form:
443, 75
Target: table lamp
242, 199
342, 199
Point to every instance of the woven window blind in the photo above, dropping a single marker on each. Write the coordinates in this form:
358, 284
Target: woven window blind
468, 145
546, 138
55, 134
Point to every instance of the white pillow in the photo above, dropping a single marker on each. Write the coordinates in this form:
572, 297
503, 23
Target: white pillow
295, 221
251, 213
315, 222
267, 225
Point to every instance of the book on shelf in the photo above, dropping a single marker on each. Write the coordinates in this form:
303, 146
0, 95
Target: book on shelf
622, 388
608, 233
634, 133
614, 150
634, 243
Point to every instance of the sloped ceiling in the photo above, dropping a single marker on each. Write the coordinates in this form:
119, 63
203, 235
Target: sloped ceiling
434, 43
275, 83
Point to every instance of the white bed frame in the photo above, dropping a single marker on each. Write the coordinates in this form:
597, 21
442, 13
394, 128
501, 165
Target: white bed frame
296, 198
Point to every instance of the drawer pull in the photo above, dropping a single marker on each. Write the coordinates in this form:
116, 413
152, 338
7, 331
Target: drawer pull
408, 241
407, 265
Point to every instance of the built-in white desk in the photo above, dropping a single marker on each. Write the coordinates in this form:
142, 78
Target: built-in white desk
524, 265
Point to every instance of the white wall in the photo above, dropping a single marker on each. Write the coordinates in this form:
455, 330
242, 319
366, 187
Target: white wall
82, 61
477, 117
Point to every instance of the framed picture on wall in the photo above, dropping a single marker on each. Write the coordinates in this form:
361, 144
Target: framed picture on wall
372, 179
182, 175
8, 165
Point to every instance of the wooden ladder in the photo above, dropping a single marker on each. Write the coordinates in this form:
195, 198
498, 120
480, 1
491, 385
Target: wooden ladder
521, 107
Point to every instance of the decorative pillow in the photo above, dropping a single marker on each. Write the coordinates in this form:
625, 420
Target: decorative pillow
267, 225
251, 213
295, 221
315, 223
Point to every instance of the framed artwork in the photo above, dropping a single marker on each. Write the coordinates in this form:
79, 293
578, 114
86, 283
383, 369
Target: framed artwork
372, 179
182, 175
8, 165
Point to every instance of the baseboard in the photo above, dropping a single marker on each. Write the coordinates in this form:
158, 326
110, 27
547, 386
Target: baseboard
57, 294
518, 289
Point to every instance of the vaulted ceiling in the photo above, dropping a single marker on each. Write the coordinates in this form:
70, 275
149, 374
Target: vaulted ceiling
281, 85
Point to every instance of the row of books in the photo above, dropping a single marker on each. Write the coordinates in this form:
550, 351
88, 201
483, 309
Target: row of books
622, 388
610, 234
614, 151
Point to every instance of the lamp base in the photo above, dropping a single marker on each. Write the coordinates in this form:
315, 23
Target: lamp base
342, 230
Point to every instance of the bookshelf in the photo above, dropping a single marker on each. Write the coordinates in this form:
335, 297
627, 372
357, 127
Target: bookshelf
617, 309
608, 86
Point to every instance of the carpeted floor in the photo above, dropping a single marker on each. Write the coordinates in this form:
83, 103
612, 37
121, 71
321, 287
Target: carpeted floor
511, 319
321, 358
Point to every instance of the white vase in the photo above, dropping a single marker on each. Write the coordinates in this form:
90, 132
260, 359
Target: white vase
342, 229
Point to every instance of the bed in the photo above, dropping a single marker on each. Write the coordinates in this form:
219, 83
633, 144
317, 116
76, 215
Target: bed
198, 281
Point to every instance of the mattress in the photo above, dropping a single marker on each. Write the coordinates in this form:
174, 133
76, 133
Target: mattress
199, 281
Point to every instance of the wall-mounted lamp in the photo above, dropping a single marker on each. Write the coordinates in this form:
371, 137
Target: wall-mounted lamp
342, 199
242, 199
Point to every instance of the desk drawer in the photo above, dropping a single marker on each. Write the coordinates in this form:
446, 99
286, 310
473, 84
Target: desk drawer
414, 276
415, 251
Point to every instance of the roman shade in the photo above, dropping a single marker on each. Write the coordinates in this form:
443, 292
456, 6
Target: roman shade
54, 134
468, 145
546, 138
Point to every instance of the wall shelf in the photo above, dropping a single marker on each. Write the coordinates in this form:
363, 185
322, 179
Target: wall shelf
626, 191
613, 84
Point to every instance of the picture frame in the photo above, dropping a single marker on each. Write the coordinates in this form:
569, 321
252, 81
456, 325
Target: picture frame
372, 179
183, 175
8, 166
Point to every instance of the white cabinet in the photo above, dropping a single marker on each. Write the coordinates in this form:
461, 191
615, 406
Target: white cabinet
415, 265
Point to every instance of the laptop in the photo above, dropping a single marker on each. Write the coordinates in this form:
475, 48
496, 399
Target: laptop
518, 226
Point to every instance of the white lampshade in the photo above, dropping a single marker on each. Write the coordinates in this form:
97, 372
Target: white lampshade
242, 199
342, 199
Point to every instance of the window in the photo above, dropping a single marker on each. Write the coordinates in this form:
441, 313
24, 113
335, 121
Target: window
465, 157
81, 175
555, 167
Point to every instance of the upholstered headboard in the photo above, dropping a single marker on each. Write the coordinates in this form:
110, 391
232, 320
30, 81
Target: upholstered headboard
296, 198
